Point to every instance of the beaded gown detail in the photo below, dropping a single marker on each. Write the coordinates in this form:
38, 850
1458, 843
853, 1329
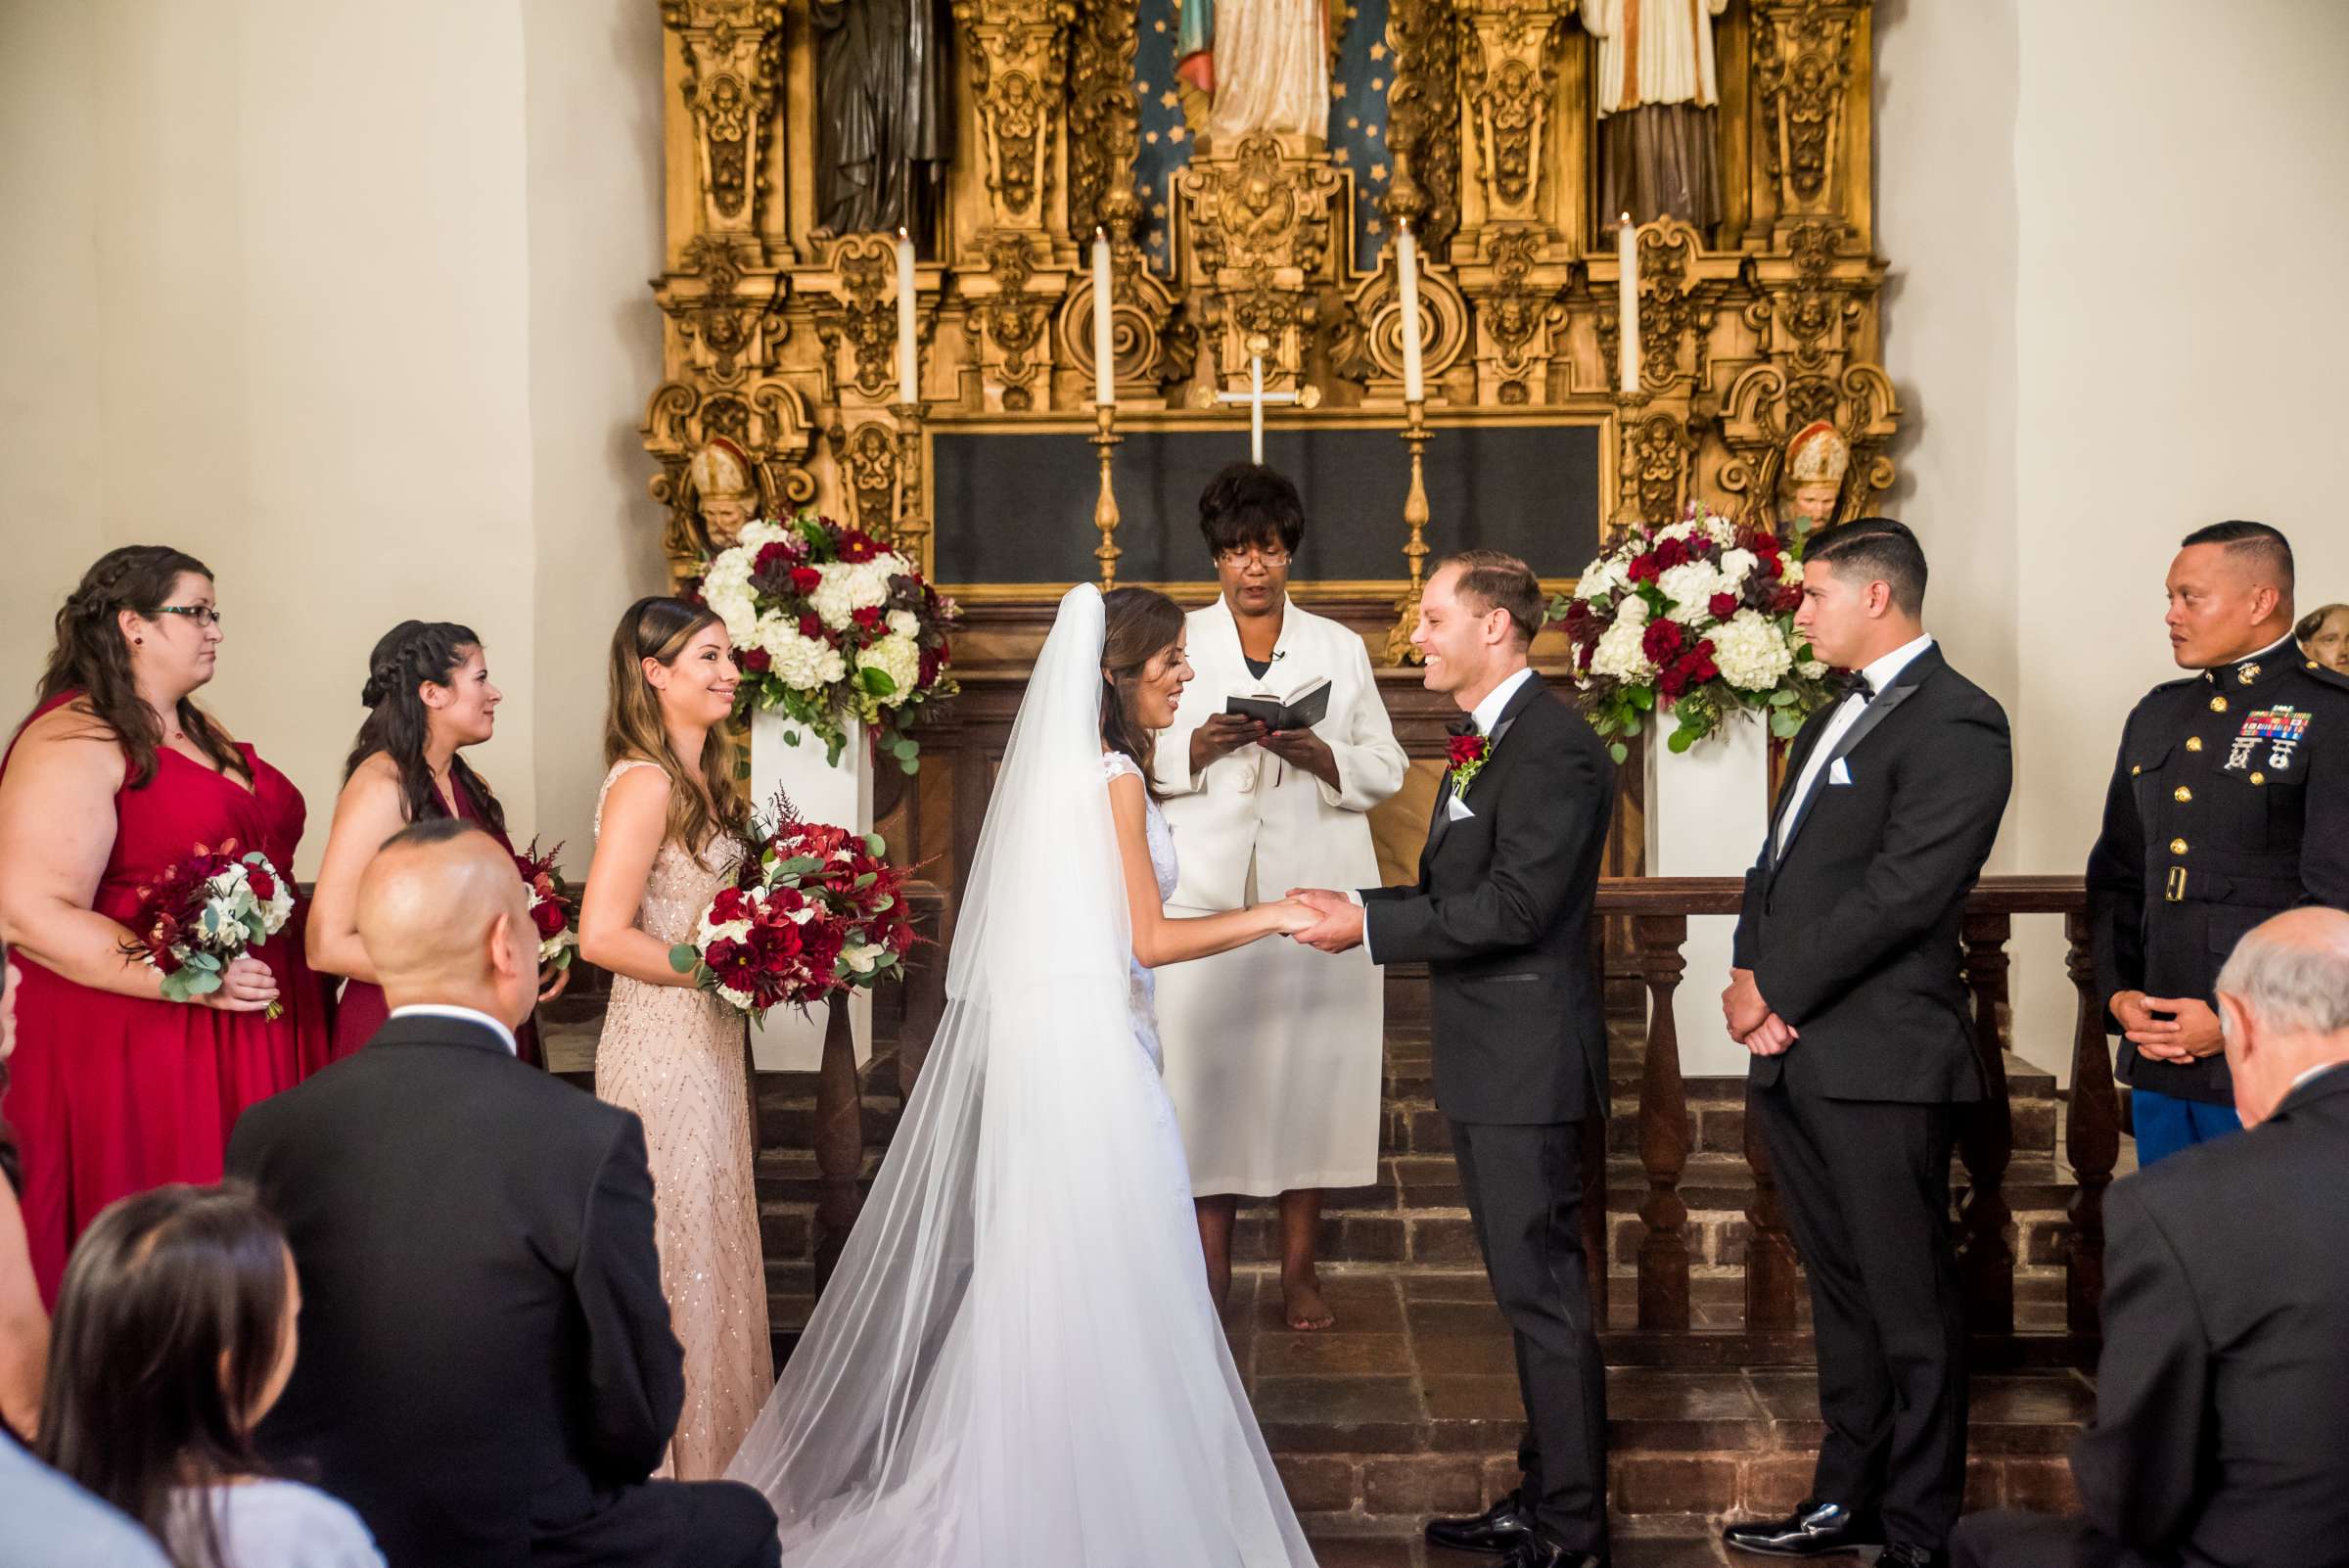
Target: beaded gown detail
680, 1058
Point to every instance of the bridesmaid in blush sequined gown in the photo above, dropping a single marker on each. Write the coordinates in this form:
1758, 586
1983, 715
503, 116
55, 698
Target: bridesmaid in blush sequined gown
427, 697
667, 836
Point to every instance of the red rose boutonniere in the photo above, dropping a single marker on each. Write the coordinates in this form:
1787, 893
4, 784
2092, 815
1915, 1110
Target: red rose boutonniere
1464, 755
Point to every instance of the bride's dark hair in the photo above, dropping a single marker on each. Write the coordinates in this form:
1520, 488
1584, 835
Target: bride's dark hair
1137, 625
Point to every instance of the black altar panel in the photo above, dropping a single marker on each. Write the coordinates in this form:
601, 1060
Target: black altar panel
1018, 506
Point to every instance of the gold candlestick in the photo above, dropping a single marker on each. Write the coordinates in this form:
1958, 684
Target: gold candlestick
1105, 439
912, 525
1414, 550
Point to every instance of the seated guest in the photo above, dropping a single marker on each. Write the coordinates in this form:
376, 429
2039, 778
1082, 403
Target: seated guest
2221, 1438
488, 1374
175, 1335
52, 1523
2323, 635
23, 1325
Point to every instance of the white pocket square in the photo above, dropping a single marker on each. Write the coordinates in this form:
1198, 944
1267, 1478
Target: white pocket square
1456, 810
1838, 772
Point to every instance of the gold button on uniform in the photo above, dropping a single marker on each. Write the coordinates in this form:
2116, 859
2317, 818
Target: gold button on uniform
2177, 845
2259, 778
2218, 705
2182, 794
2194, 742
2134, 772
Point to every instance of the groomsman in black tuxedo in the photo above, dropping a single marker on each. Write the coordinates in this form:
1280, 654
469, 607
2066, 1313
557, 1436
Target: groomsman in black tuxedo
1501, 917
1848, 992
2220, 1437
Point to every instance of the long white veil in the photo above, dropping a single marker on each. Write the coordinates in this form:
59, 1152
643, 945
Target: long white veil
1016, 1364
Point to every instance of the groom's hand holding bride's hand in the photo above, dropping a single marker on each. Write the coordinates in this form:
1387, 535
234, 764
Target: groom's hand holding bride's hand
1340, 925
1751, 1022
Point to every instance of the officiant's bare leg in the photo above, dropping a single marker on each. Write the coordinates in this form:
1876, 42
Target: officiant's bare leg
1301, 1299
1216, 1213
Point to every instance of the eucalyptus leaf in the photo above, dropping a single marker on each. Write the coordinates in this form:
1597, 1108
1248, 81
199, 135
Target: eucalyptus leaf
1681, 740
1620, 752
683, 959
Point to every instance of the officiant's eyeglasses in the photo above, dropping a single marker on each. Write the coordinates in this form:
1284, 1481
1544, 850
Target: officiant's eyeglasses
204, 614
1270, 558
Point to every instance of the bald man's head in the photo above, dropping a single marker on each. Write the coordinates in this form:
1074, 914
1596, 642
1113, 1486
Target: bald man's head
2283, 1003
446, 919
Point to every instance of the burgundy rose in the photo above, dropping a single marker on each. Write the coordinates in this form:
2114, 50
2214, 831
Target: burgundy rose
811, 627
730, 904
263, 884
805, 580
547, 916
1643, 568
1722, 605
773, 556
758, 661
1661, 641
1672, 680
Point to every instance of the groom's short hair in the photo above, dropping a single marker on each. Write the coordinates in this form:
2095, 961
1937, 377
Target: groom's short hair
1494, 579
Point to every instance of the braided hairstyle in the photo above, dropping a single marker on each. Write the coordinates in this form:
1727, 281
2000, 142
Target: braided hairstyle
398, 724
91, 659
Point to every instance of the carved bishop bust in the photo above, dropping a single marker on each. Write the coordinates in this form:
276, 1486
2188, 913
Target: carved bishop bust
725, 490
1818, 458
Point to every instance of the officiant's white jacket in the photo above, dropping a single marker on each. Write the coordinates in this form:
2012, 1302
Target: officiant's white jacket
1300, 831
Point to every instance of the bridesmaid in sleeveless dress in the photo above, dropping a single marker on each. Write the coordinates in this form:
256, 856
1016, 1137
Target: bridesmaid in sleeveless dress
669, 830
117, 775
428, 696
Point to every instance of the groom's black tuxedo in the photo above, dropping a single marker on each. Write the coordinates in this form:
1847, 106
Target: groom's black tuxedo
1852, 933
1501, 917
487, 1370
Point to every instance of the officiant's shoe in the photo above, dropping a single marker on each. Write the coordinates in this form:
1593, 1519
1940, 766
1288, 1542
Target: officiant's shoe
1534, 1552
1814, 1530
1502, 1527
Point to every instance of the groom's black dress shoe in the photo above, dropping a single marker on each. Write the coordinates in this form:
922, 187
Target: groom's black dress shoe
1812, 1529
1534, 1552
1502, 1527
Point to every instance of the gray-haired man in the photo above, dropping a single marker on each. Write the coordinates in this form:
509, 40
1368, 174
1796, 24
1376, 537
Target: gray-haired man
2221, 1438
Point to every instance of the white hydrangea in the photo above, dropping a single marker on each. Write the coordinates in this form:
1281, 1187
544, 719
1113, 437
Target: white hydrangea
903, 623
726, 590
1751, 651
1720, 529
847, 589
1633, 610
1686, 528
1619, 654
1690, 587
1735, 566
899, 659
803, 664
1790, 569
1811, 669
1600, 579
758, 534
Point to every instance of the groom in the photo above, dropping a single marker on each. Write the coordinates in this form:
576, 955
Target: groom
1501, 917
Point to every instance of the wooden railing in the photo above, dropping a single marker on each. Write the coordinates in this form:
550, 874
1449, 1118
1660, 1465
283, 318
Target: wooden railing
1657, 912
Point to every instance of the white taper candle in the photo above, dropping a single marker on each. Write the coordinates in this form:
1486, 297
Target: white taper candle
1627, 303
1406, 254
910, 377
1105, 380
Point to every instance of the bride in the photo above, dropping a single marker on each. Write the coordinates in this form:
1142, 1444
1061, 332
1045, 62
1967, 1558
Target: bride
1017, 1364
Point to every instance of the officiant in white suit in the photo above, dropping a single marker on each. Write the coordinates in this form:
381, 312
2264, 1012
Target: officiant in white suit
1273, 1053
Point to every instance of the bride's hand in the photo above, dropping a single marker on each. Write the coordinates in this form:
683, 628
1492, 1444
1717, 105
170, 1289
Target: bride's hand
1290, 916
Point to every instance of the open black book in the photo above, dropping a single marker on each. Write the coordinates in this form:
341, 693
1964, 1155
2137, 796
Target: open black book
1300, 708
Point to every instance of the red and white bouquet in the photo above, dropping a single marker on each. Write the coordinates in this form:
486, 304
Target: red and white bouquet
1694, 619
554, 906
832, 626
203, 914
815, 909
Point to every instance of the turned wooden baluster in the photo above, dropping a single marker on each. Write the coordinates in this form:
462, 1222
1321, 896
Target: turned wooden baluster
1770, 1278
2092, 1138
839, 1140
1985, 1137
1663, 1129
925, 985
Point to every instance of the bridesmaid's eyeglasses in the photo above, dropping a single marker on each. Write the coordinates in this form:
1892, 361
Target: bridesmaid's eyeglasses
204, 614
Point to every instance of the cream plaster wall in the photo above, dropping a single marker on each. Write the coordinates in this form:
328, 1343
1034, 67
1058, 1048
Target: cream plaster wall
349, 301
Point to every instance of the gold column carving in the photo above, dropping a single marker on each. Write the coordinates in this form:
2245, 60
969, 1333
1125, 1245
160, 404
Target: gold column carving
1804, 53
1260, 251
1508, 77
1018, 61
732, 57
1423, 119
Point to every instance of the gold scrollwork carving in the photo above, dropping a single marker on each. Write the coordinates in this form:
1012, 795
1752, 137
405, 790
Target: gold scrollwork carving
1261, 234
732, 51
1508, 72
1019, 81
1007, 319
1423, 119
1800, 51
1652, 472
1104, 118
858, 313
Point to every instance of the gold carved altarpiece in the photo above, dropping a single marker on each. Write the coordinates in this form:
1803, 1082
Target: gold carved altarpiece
782, 340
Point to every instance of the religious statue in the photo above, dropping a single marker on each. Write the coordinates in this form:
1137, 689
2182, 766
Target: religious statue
1263, 65
1817, 459
725, 490
1658, 98
884, 115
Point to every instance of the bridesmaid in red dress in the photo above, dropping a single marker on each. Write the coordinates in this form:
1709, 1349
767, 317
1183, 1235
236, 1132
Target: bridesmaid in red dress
117, 775
427, 697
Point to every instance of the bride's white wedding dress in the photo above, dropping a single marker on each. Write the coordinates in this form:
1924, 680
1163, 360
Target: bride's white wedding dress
1017, 1364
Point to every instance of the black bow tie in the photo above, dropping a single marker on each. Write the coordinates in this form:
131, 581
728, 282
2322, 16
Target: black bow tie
1462, 726
1855, 684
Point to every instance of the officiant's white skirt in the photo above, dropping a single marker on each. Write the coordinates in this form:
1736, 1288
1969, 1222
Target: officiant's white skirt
1275, 1055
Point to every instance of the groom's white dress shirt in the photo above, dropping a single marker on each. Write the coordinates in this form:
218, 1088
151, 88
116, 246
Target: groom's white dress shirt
1880, 673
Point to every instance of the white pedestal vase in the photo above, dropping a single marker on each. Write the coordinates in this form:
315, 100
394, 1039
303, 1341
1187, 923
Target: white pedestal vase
840, 794
1708, 809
